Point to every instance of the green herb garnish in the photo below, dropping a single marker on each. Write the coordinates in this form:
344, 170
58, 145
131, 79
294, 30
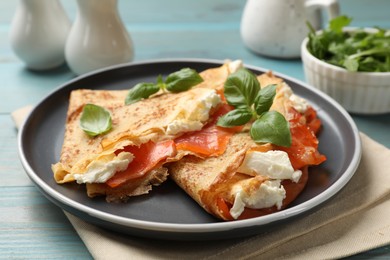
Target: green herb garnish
95, 120
355, 51
178, 81
182, 80
141, 91
242, 90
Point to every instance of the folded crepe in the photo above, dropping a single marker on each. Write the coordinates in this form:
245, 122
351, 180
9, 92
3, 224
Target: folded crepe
218, 167
250, 179
130, 158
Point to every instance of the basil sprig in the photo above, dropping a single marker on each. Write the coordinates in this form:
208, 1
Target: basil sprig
95, 120
178, 81
242, 90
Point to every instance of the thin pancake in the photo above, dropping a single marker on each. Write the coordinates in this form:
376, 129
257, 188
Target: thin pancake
133, 126
211, 181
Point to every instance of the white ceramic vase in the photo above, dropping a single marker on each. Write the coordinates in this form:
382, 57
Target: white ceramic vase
38, 33
98, 37
276, 28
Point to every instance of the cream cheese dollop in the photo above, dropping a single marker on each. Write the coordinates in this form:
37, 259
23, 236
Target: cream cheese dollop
99, 171
234, 65
300, 104
195, 118
270, 193
275, 166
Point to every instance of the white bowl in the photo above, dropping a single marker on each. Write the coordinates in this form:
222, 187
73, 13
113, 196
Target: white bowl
357, 92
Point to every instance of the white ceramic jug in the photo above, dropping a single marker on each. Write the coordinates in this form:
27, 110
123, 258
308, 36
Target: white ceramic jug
38, 33
276, 28
98, 37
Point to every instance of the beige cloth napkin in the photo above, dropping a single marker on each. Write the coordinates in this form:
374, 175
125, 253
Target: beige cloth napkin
355, 220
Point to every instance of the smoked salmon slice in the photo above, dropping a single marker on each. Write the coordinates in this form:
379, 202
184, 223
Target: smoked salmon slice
146, 157
304, 148
212, 140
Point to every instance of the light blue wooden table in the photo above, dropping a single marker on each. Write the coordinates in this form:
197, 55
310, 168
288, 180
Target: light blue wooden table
30, 225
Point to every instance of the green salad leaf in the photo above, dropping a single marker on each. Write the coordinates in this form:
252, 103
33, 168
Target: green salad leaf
242, 90
337, 24
95, 120
178, 81
356, 50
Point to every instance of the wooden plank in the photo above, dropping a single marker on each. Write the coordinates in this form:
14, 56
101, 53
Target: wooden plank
161, 36
367, 12
22, 87
223, 11
155, 11
32, 227
11, 170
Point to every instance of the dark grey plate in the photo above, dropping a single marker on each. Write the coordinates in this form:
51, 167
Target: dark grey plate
167, 212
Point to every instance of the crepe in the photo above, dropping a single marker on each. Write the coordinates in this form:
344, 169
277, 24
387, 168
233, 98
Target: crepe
102, 162
228, 190
176, 134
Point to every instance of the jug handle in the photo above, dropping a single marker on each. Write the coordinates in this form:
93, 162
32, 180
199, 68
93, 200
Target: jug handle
331, 6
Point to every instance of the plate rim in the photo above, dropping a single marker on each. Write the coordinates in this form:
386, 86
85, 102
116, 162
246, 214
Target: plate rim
196, 227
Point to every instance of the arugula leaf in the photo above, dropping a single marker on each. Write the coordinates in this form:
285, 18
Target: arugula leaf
271, 127
241, 88
237, 117
265, 98
337, 24
351, 64
95, 120
141, 91
178, 81
182, 80
357, 50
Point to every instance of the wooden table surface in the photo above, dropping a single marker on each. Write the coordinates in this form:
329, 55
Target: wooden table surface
30, 225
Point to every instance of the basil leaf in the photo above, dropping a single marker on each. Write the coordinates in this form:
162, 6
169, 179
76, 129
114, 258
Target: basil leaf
265, 98
141, 91
273, 128
241, 88
160, 82
95, 120
182, 80
176, 82
239, 116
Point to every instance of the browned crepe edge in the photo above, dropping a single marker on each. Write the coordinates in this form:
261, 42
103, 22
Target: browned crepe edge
134, 187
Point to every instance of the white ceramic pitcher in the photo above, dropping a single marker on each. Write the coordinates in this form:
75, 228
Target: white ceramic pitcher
38, 33
276, 28
98, 37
